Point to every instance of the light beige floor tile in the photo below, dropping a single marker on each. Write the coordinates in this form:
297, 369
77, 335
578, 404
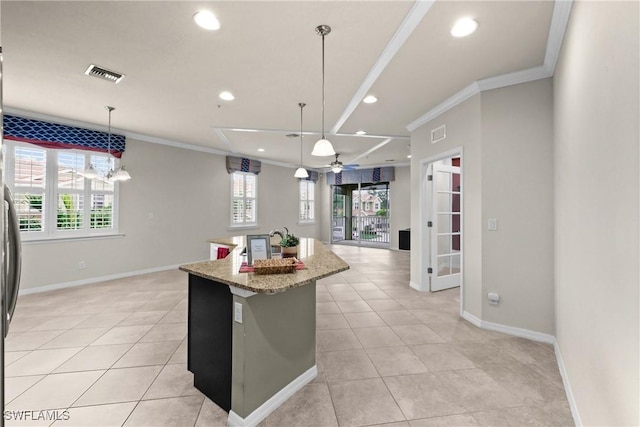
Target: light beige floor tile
526, 384
29, 340
416, 334
456, 331
174, 316
60, 322
364, 402
380, 305
103, 320
173, 381
23, 324
477, 390
367, 286
143, 318
441, 357
166, 332
123, 335
309, 407
324, 297
98, 416
399, 317
525, 351
345, 296
338, 339
520, 416
353, 306
395, 361
373, 295
15, 386
423, 396
346, 365
180, 355
327, 308
382, 336
364, 320
485, 354
56, 391
13, 356
40, 362
339, 287
147, 354
75, 338
176, 411
331, 321
211, 415
94, 357
120, 385
446, 421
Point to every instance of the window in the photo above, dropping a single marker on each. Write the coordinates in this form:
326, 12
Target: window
244, 209
307, 201
53, 199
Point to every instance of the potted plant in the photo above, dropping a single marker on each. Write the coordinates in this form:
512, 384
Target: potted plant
289, 244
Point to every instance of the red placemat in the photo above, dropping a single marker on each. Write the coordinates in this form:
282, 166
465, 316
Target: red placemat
244, 268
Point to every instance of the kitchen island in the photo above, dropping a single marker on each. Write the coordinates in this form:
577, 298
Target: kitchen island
251, 338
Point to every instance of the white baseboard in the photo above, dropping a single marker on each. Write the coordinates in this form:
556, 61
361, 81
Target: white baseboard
416, 286
92, 280
567, 385
534, 336
263, 411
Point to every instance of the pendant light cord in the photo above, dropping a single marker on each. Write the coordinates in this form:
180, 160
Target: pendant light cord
323, 86
302, 105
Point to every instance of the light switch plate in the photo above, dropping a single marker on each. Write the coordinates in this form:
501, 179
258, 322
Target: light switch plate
492, 224
237, 312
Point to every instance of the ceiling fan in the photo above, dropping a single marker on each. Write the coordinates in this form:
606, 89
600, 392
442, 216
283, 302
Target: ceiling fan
337, 166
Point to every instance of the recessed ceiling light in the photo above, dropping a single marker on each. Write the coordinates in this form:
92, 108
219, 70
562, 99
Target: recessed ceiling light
227, 96
206, 20
361, 132
261, 150
463, 27
369, 99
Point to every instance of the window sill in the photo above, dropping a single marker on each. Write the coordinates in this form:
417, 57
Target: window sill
306, 223
40, 240
243, 227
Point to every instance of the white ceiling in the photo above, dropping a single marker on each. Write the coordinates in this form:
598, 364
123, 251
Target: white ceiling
268, 54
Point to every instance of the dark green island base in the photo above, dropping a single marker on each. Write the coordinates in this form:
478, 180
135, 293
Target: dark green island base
252, 347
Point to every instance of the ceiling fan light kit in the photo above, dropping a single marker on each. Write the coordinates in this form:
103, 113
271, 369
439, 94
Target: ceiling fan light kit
323, 147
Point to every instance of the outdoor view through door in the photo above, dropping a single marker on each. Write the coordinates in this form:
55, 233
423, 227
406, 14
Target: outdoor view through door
360, 214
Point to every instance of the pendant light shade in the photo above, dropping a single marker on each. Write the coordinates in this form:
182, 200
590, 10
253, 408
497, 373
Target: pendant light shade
119, 174
301, 172
323, 147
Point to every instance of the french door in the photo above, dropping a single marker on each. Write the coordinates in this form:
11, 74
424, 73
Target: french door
445, 226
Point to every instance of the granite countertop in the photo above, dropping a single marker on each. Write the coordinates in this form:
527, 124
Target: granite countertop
318, 259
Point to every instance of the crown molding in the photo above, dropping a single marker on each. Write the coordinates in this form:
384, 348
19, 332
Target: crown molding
559, 21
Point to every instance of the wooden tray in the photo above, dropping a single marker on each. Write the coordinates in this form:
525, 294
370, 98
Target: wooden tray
275, 265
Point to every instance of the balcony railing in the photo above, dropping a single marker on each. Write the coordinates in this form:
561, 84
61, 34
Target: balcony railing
366, 229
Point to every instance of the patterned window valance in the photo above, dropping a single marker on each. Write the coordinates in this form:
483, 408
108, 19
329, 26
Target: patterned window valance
313, 176
53, 135
240, 164
358, 176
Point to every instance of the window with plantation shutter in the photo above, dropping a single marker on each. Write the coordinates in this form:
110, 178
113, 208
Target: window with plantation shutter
244, 209
52, 197
307, 201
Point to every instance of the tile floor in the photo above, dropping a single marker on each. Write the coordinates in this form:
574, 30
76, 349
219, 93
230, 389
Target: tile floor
114, 354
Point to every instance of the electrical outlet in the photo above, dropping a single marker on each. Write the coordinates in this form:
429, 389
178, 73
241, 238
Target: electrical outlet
82, 265
492, 224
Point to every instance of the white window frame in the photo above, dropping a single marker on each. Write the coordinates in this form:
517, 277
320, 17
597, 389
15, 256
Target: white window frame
51, 190
244, 224
311, 184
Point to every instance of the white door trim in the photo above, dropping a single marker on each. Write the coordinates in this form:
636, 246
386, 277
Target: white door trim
423, 213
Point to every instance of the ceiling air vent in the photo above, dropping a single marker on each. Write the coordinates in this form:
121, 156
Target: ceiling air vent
104, 74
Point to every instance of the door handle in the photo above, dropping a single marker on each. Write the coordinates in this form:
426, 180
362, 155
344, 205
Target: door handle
12, 253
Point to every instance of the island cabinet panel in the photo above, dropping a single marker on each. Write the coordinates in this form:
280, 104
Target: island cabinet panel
273, 346
210, 334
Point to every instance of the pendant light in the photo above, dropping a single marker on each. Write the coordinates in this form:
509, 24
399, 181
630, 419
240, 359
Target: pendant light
301, 172
323, 147
119, 174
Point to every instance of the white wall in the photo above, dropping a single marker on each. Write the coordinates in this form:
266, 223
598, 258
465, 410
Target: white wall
507, 168
187, 194
517, 190
596, 210
463, 130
